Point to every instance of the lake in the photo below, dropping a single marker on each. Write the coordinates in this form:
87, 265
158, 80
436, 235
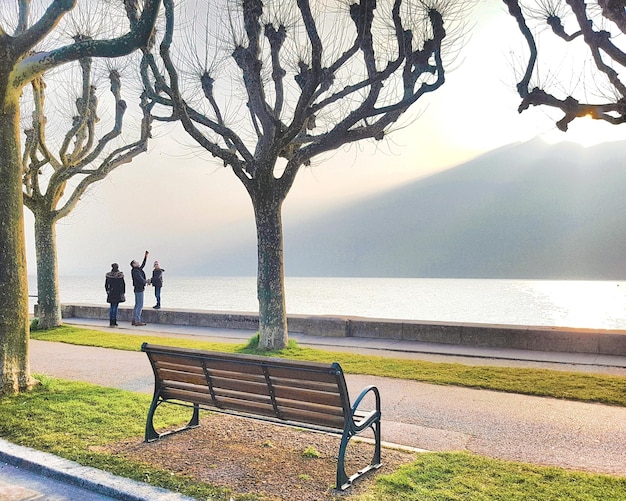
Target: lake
559, 303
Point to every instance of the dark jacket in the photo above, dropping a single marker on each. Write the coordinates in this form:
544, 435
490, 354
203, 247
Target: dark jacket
115, 286
157, 277
139, 277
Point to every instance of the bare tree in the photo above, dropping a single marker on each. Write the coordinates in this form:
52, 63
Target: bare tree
591, 31
32, 50
53, 184
285, 81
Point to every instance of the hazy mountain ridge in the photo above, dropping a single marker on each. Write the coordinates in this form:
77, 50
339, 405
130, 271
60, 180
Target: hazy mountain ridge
530, 210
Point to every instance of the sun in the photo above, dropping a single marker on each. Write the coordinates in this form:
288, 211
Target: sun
587, 132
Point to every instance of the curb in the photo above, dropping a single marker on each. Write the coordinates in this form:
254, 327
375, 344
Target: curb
85, 477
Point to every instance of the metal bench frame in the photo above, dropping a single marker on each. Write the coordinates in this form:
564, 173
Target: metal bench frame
304, 394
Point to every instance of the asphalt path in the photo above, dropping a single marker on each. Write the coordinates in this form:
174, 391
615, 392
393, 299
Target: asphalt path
581, 436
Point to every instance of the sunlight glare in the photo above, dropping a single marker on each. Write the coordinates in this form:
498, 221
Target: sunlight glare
587, 132
585, 303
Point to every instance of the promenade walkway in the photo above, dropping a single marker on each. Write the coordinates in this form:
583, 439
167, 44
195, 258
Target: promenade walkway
503, 425
537, 430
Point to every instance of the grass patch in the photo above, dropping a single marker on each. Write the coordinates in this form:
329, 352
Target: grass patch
311, 452
129, 342
72, 419
528, 381
464, 476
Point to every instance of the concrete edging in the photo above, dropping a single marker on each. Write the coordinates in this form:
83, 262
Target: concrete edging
86, 477
554, 339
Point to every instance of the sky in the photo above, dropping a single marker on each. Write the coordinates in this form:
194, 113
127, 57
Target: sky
174, 202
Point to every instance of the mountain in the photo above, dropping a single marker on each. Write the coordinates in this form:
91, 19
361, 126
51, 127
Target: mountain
529, 210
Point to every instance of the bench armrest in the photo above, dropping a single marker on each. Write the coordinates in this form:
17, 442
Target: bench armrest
367, 418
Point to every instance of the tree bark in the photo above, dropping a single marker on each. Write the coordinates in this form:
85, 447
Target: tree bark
49, 305
270, 274
14, 329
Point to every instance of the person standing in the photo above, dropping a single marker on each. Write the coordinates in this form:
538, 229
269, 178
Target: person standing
157, 283
139, 285
115, 286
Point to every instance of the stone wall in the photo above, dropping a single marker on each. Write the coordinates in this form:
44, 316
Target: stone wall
569, 340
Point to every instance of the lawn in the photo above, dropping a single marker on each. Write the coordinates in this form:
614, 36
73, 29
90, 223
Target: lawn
77, 420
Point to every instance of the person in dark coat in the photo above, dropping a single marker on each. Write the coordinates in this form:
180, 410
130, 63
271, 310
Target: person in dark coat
139, 285
115, 286
157, 283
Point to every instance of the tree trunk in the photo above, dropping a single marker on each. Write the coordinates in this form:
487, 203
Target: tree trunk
14, 330
49, 306
270, 275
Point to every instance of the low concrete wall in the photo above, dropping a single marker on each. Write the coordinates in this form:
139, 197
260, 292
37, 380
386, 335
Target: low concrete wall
569, 340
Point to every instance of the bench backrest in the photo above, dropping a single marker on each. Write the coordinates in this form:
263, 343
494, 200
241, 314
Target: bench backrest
287, 390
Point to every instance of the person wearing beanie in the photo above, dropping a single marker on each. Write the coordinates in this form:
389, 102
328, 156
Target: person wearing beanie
139, 285
157, 283
115, 287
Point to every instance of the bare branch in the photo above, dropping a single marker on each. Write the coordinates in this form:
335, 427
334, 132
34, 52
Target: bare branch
88, 162
36, 64
29, 37
181, 110
597, 28
614, 11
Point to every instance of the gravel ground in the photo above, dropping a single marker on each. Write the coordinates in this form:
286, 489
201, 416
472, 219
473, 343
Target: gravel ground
253, 457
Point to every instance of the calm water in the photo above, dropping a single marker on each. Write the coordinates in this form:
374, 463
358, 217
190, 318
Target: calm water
592, 304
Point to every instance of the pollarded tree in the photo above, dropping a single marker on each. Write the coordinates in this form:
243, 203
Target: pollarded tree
25, 55
285, 81
53, 184
594, 84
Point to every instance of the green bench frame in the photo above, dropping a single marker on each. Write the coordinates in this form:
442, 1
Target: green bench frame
303, 394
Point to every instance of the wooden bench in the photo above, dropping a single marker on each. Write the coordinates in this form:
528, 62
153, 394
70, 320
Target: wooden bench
303, 394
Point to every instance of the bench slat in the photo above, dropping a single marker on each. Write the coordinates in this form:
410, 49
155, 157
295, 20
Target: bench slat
318, 397
182, 385
186, 377
174, 361
304, 375
307, 416
255, 387
304, 384
285, 405
238, 376
187, 395
233, 404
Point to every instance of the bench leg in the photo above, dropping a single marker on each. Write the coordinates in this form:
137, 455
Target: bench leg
343, 481
194, 422
152, 435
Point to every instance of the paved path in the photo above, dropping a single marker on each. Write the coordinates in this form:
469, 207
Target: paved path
508, 426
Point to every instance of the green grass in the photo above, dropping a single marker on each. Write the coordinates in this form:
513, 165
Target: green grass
464, 476
74, 420
311, 452
540, 382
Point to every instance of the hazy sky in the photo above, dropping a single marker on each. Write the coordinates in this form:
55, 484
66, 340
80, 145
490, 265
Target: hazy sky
173, 201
